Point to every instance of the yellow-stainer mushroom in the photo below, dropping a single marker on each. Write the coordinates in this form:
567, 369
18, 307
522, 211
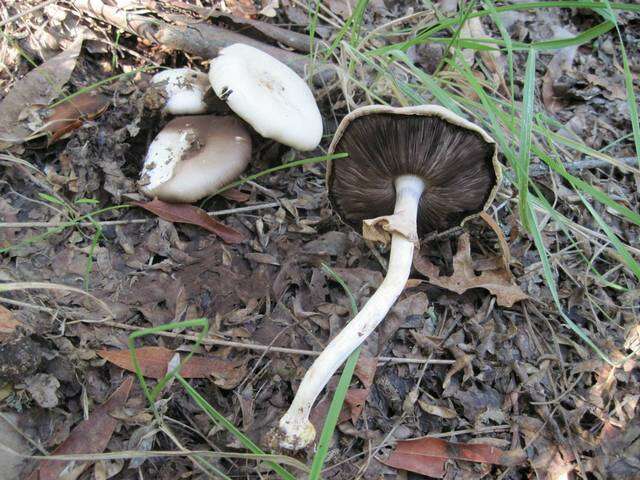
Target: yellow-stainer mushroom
185, 90
268, 95
410, 171
193, 157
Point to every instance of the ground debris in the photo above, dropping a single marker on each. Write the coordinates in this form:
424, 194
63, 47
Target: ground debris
479, 298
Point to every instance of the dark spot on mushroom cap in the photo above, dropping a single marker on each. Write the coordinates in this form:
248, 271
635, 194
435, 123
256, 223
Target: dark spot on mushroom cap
455, 164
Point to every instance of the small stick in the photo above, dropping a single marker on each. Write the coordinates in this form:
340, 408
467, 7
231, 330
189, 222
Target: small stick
229, 211
266, 348
26, 12
226, 343
290, 38
584, 164
201, 39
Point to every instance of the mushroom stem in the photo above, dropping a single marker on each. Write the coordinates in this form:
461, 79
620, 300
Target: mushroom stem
295, 428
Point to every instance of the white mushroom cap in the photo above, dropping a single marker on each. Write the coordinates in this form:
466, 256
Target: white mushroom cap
185, 89
193, 157
268, 95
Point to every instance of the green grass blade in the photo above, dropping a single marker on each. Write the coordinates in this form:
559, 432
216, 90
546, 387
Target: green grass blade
95, 239
551, 284
313, 25
628, 81
152, 394
341, 391
526, 119
242, 438
504, 33
93, 86
580, 39
356, 21
429, 34
581, 185
430, 83
629, 261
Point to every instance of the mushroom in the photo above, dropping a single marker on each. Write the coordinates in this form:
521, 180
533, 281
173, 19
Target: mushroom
194, 156
185, 90
410, 171
268, 95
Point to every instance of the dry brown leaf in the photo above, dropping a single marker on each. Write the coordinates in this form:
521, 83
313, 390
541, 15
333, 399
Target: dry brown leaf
504, 246
436, 410
498, 282
72, 114
154, 360
185, 213
37, 88
560, 64
235, 195
342, 8
89, 436
355, 399
8, 324
427, 456
230, 378
263, 258
463, 362
473, 29
615, 87
366, 370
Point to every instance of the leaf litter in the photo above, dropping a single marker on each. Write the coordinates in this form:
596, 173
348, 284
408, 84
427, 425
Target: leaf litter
36, 90
498, 282
477, 299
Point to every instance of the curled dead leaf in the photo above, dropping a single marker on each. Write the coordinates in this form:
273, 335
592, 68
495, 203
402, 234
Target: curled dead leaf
355, 399
502, 241
498, 282
89, 436
242, 8
492, 58
7, 323
230, 378
560, 64
35, 90
154, 360
185, 213
72, 114
427, 456
366, 370
235, 195
437, 410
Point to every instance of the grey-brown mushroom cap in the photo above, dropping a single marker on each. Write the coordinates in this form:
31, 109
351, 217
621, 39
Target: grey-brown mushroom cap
194, 156
456, 159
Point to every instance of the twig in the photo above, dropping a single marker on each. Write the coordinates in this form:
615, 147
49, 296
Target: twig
217, 213
12, 286
226, 343
265, 348
290, 38
201, 39
26, 12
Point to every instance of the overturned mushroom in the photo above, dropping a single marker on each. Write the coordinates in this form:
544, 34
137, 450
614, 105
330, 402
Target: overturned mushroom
194, 156
268, 95
185, 90
410, 171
